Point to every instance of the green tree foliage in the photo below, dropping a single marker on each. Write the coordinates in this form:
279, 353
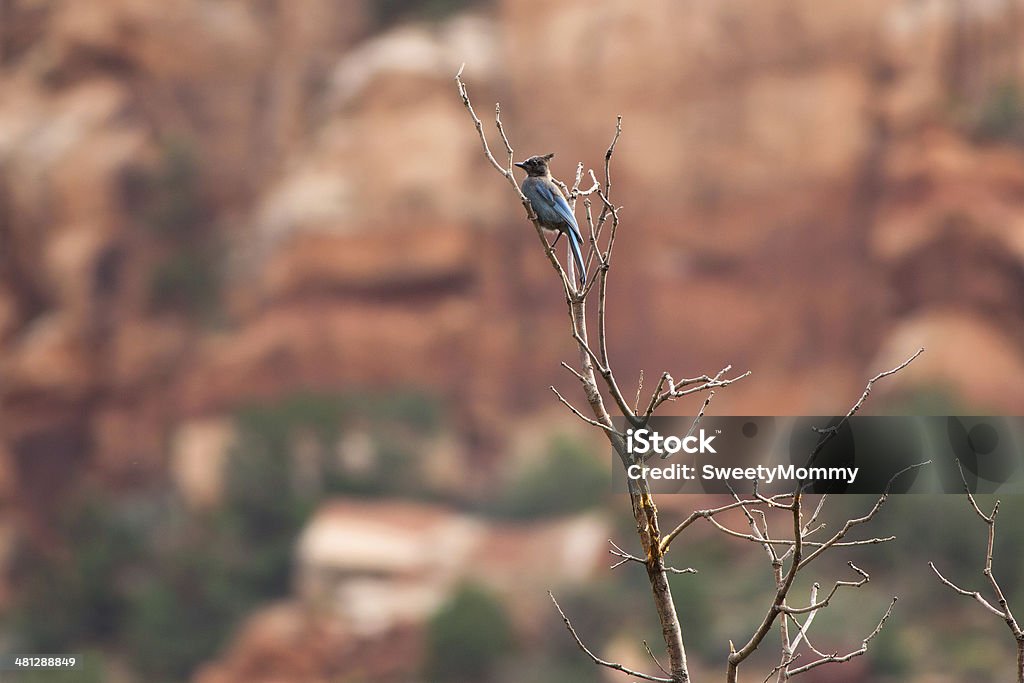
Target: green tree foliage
218, 567
567, 479
387, 12
182, 614
169, 203
468, 637
166, 585
1001, 116
79, 583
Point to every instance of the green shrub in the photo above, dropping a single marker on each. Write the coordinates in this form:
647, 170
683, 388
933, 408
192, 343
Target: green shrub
187, 281
396, 424
182, 616
80, 583
415, 410
1001, 116
166, 586
568, 479
170, 205
467, 637
538, 668
387, 12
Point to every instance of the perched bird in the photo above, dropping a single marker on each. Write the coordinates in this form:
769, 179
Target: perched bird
549, 204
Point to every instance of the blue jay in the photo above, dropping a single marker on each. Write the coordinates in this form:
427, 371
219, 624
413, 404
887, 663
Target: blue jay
552, 210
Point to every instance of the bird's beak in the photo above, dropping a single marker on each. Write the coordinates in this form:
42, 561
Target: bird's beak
520, 164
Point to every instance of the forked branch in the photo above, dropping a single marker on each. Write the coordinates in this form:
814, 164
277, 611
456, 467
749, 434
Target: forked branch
1001, 609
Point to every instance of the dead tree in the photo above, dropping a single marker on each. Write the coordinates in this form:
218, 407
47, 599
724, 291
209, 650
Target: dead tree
1003, 609
789, 553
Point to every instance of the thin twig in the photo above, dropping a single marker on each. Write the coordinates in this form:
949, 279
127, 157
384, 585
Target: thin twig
568, 286
970, 594
847, 657
597, 660
1003, 611
871, 382
737, 657
639, 390
647, 647
577, 413
802, 633
851, 523
829, 432
574, 371
627, 557
676, 389
789, 542
666, 541
815, 606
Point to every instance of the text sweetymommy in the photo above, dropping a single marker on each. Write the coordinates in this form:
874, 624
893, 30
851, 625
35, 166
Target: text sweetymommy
760, 473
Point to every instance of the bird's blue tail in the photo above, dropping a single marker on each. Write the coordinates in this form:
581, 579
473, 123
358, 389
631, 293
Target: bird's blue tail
577, 255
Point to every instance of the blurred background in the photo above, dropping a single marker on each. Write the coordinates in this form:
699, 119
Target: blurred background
275, 341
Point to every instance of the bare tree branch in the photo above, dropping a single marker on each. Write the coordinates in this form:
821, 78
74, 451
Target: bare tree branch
639, 390
597, 660
802, 633
648, 648
707, 514
736, 657
677, 389
971, 594
835, 658
851, 523
505, 171
867, 389
815, 606
1003, 611
567, 284
626, 557
577, 413
784, 579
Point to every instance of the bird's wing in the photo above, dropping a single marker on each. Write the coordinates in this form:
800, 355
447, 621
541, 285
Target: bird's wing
556, 201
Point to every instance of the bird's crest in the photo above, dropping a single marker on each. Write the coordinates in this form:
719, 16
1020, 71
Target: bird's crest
536, 165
